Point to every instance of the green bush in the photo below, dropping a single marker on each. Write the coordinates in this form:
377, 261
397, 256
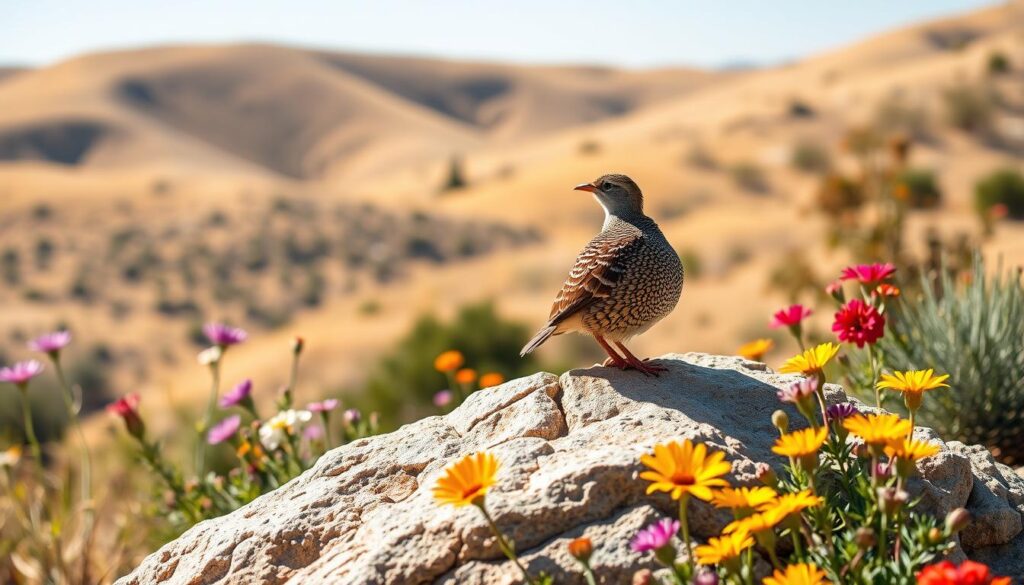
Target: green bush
974, 332
402, 383
969, 108
1002, 187
922, 190
998, 63
749, 177
456, 179
810, 157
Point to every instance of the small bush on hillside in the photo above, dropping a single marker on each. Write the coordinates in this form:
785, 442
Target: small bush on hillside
895, 114
1000, 188
976, 331
749, 177
10, 266
590, 147
838, 194
998, 63
919, 188
692, 264
455, 179
701, 158
810, 157
969, 107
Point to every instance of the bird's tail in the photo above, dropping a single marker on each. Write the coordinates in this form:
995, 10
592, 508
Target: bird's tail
538, 339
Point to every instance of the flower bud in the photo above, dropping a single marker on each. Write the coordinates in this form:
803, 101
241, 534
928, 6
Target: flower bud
865, 538
643, 577
705, 577
766, 475
781, 421
891, 500
581, 549
297, 344
957, 520
935, 536
206, 503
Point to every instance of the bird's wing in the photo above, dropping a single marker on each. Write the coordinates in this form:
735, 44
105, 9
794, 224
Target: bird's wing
599, 267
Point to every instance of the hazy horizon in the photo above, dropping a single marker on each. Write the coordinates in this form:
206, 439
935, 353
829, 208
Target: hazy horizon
648, 35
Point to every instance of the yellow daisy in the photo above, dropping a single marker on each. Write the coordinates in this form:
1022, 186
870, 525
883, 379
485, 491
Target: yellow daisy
682, 469
724, 549
755, 523
908, 452
466, 480
812, 361
913, 384
798, 574
756, 349
794, 503
877, 430
802, 446
743, 497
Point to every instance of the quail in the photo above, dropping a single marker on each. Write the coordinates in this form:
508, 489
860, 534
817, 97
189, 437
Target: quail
624, 281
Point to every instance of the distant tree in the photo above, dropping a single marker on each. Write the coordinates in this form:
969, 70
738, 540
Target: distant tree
455, 179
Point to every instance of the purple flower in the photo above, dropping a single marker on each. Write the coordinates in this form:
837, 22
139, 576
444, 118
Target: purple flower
313, 432
51, 343
324, 406
797, 392
20, 373
237, 395
655, 536
841, 411
223, 335
352, 416
443, 398
224, 430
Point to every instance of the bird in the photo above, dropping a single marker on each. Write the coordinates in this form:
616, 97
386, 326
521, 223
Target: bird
626, 279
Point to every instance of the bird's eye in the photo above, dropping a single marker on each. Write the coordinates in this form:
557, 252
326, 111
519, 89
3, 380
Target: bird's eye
606, 186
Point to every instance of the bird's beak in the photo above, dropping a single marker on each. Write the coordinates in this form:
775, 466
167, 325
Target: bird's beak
585, 187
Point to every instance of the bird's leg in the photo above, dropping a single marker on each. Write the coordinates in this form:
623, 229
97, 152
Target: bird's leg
637, 363
614, 359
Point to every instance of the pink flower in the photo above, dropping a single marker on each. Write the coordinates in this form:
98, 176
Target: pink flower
20, 373
791, 316
858, 322
352, 416
443, 398
797, 392
224, 430
51, 343
313, 432
223, 335
841, 411
869, 274
655, 536
240, 394
324, 406
127, 407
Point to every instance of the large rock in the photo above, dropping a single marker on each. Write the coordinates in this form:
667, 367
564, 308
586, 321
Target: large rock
570, 450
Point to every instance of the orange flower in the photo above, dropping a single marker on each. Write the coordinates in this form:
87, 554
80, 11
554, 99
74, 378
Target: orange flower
491, 379
581, 548
467, 480
888, 290
449, 361
683, 469
756, 349
465, 376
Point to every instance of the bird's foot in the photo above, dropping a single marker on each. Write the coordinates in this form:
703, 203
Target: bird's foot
646, 368
614, 363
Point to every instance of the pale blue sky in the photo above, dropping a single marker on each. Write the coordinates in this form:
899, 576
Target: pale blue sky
632, 33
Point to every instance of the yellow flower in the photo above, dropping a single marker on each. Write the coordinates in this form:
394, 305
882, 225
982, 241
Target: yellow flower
877, 430
723, 549
913, 384
798, 574
789, 504
812, 361
449, 361
685, 469
756, 349
465, 376
466, 480
491, 379
744, 497
801, 443
755, 523
910, 449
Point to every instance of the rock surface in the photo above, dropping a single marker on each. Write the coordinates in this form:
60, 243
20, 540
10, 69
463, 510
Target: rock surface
570, 450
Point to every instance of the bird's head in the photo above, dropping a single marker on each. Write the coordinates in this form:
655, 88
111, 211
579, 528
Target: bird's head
618, 194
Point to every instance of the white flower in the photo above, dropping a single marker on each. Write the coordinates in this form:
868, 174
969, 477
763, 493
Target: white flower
276, 430
210, 355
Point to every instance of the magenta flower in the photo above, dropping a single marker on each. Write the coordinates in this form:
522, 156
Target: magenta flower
313, 432
655, 536
20, 373
324, 406
51, 343
798, 392
223, 335
869, 274
840, 411
224, 430
858, 322
791, 316
237, 395
352, 416
127, 407
443, 398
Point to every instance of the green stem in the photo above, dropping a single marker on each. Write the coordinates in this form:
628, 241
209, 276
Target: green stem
503, 544
86, 455
588, 574
685, 528
30, 430
874, 376
211, 408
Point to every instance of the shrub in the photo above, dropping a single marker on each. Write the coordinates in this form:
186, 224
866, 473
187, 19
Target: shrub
700, 158
838, 194
691, 263
920, 189
896, 115
10, 265
749, 177
455, 179
975, 330
810, 157
1003, 187
969, 108
589, 147
998, 63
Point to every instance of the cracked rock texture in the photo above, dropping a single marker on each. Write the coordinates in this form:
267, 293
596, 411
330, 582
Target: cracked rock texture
570, 450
